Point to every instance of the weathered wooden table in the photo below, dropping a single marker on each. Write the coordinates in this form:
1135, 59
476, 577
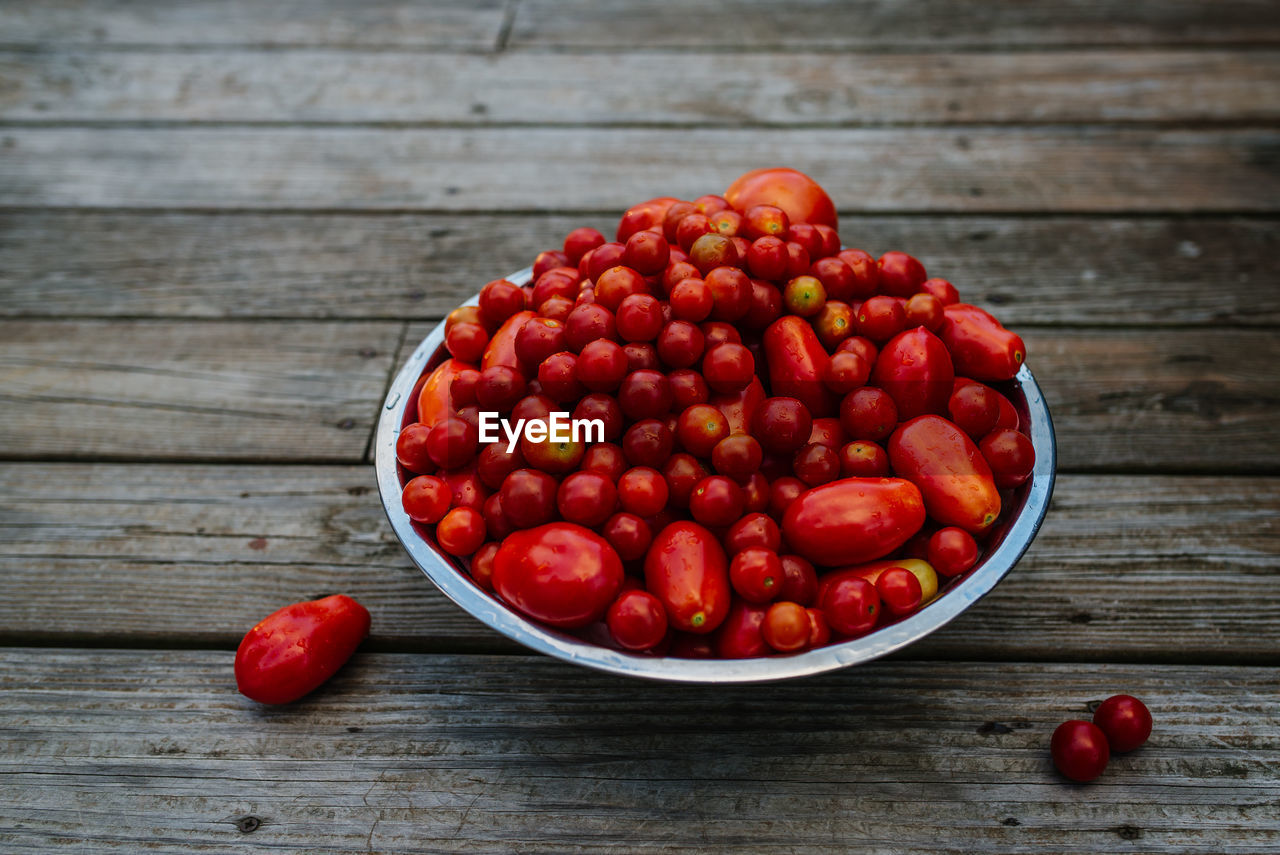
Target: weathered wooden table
224, 224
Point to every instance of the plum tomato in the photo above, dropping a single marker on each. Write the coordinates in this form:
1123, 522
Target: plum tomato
868, 413
586, 498
845, 372
853, 519
851, 606
426, 499
767, 257
717, 501
461, 532
648, 442
880, 318
629, 535
645, 394
901, 275
1080, 750
952, 551
915, 368
646, 253
701, 427
755, 530
804, 296
1010, 455
529, 498
782, 425
687, 570
559, 573
786, 627
728, 367
586, 323
975, 409
816, 464
899, 590
950, 471
637, 620
738, 456
799, 580
691, 300
1125, 720
643, 491
799, 196
680, 344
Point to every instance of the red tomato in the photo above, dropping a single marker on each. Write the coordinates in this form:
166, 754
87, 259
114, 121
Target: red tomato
434, 397
786, 627
637, 621
915, 369
853, 520
1010, 455
1080, 750
687, 570
559, 573
851, 606
646, 215
797, 364
952, 475
742, 636
738, 407
899, 590
952, 551
502, 346
756, 575
800, 197
291, 652
1125, 720
980, 346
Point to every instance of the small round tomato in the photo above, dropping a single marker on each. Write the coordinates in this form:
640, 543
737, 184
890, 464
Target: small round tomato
461, 532
804, 296
799, 580
559, 573
868, 413
782, 492
453, 443
765, 220
738, 456
728, 368
756, 575
943, 290
952, 551
648, 443
799, 196
643, 491
975, 409
901, 275
816, 464
782, 425
862, 346
587, 323
1125, 720
481, 566
680, 344
691, 300
767, 257
426, 499
1080, 750
529, 497
701, 427
604, 408
496, 524
683, 472
731, 293
629, 535
726, 222
753, 531
924, 310
538, 339
466, 341
602, 365
717, 501
500, 387
637, 620
899, 590
866, 273
646, 252
1010, 455
605, 458
644, 394
639, 317
819, 630
881, 318
500, 300
863, 459
833, 324
786, 627
851, 606
558, 376
581, 241
712, 250
411, 448
586, 498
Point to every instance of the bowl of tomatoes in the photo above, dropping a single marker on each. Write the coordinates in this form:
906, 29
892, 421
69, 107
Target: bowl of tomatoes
722, 447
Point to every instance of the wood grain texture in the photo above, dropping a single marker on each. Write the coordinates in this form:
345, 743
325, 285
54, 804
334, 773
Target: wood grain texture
1147, 568
449, 24
808, 25
90, 389
423, 754
1052, 270
680, 89
973, 170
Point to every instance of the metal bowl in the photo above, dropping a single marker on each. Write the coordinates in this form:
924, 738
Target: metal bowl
1003, 549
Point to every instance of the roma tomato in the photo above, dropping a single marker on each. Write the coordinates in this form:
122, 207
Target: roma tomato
915, 369
291, 652
800, 197
980, 346
559, 573
434, 397
853, 519
502, 346
952, 475
1080, 750
797, 365
687, 570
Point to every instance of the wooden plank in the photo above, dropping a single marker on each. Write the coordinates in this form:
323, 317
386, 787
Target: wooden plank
681, 89
278, 391
499, 754
196, 554
1052, 270
449, 24
569, 169
808, 25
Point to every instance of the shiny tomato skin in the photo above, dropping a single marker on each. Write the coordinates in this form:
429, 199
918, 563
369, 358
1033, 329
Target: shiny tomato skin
851, 606
799, 580
797, 364
741, 636
1125, 720
955, 480
800, 197
292, 651
501, 349
560, 573
901, 275
952, 551
899, 591
434, 398
687, 570
980, 346
916, 370
871, 571
786, 627
1010, 455
853, 519
1080, 750
645, 215
637, 621
739, 407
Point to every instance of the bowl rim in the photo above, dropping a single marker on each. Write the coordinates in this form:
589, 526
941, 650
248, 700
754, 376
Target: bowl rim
979, 581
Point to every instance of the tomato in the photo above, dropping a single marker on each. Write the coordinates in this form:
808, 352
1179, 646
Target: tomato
588, 322
804, 296
952, 551
717, 501
643, 491
953, 477
413, 448
728, 368
974, 408
586, 498
756, 575
687, 570
580, 241
816, 464
901, 275
1125, 720
738, 456
292, 651
797, 363
426, 499
871, 571
853, 520
646, 215
434, 397
1010, 455
461, 532
1008, 417
629, 535
915, 369
481, 564
980, 346
800, 197
782, 425
502, 345
851, 606
637, 621
466, 341
739, 407
786, 627
1080, 750
741, 636
899, 590
765, 220
863, 459
559, 573
755, 530
868, 413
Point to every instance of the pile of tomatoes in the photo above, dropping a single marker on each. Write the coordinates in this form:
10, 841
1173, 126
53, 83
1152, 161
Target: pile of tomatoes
799, 438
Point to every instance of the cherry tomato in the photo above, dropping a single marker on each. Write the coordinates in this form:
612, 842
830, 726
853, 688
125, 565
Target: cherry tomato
461, 532
586, 498
643, 491
846, 372
728, 368
880, 318
453, 443
899, 590
755, 530
701, 427
786, 627
498, 301
901, 275
834, 323
629, 535
686, 569
737, 456
688, 387
601, 365
1010, 455
680, 344
799, 580
712, 250
691, 300
426, 499
412, 449
560, 573
866, 273
639, 317
862, 459
731, 293
868, 413
851, 606
804, 296
466, 341
644, 394
798, 195
975, 409
605, 458
292, 651
637, 620
765, 220
782, 425
717, 501
816, 464
853, 520
604, 408
782, 494
481, 564
767, 257
1080, 750
581, 241
683, 472
646, 215
587, 323
1125, 720
648, 443
942, 290
741, 635
924, 310
756, 575
529, 497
